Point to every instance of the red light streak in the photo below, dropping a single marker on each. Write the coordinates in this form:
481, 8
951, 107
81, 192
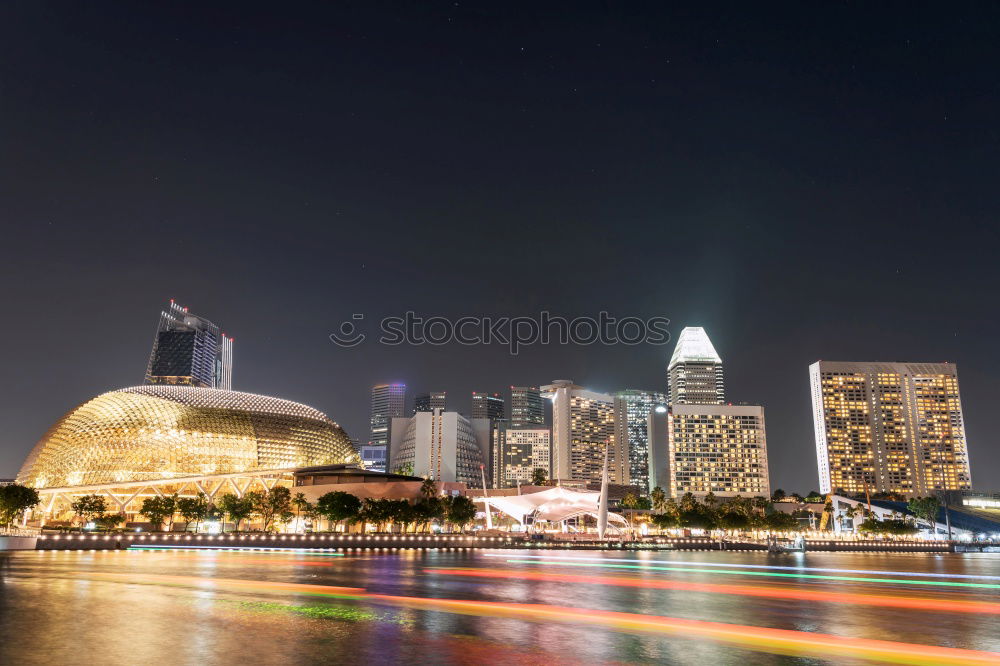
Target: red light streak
913, 603
783, 641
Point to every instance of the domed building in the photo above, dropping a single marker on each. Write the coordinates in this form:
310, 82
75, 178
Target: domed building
157, 432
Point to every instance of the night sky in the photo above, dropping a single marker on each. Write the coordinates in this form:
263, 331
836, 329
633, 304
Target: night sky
806, 181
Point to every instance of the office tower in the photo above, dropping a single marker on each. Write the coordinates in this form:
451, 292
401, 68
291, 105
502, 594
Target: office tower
694, 374
490, 406
190, 350
720, 449
889, 427
428, 402
583, 425
444, 446
526, 406
632, 452
523, 450
388, 402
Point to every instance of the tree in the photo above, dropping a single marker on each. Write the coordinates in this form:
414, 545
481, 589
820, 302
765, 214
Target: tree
302, 506
158, 509
109, 521
658, 498
272, 506
193, 509
778, 495
89, 507
780, 520
15, 499
538, 476
237, 508
428, 488
338, 506
630, 502
461, 511
926, 509
427, 509
889, 526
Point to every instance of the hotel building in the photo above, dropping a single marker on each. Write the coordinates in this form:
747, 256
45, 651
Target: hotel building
889, 427
522, 451
444, 446
720, 449
583, 425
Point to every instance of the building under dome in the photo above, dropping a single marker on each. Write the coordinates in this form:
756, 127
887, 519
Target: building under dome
157, 432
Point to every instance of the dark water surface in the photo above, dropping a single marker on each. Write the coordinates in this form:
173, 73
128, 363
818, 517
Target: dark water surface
212, 607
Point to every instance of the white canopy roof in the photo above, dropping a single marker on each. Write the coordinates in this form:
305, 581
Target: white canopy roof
554, 504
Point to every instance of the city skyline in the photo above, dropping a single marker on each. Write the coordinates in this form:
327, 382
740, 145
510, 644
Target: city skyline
742, 172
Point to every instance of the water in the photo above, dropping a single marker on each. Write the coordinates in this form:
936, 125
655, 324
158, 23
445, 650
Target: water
213, 607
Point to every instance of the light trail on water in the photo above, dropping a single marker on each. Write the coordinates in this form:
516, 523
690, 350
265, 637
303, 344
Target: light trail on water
650, 567
239, 549
887, 601
918, 574
780, 641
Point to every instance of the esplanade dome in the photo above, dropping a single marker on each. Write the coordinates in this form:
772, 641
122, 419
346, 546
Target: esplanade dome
145, 433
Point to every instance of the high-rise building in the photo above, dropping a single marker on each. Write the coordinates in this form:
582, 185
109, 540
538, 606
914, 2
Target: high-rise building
632, 449
388, 403
526, 406
523, 450
190, 350
490, 406
428, 402
720, 449
583, 426
889, 427
444, 446
694, 373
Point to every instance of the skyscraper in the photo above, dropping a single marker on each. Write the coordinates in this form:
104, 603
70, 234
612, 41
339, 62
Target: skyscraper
190, 350
695, 370
388, 402
523, 450
719, 449
444, 446
490, 406
889, 427
583, 425
526, 406
632, 441
428, 402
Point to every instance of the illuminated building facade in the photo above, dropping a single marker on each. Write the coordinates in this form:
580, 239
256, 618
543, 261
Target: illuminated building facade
444, 446
526, 406
694, 374
157, 432
190, 350
632, 436
428, 402
583, 425
490, 406
889, 427
388, 403
522, 451
720, 449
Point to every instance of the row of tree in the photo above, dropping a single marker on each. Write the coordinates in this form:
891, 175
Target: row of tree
736, 513
278, 506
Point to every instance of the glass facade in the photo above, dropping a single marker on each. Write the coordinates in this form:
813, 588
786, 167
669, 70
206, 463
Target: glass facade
632, 459
161, 432
190, 350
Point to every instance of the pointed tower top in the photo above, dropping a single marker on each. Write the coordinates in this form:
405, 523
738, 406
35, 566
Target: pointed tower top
694, 345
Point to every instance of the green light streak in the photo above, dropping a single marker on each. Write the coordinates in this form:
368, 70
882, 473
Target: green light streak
645, 567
